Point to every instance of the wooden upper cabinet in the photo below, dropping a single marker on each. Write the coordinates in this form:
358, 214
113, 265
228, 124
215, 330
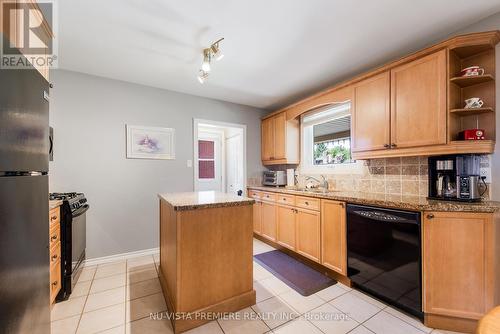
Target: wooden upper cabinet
371, 114
418, 102
267, 139
333, 236
280, 140
458, 264
279, 136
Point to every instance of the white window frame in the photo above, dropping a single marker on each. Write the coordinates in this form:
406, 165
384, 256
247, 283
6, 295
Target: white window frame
307, 123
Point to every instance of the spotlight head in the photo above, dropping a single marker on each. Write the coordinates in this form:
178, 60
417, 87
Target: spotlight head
202, 76
205, 66
216, 51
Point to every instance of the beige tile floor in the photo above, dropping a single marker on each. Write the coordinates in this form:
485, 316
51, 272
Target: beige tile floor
118, 298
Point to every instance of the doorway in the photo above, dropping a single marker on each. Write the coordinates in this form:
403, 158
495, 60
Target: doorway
219, 156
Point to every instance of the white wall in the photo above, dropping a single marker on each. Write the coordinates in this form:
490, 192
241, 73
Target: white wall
492, 23
89, 114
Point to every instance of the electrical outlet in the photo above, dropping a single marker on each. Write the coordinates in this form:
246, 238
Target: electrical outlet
190, 163
486, 171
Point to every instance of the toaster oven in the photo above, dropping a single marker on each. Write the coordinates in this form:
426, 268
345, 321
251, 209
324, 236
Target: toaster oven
274, 178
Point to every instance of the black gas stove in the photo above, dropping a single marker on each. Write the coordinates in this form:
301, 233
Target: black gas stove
75, 200
73, 239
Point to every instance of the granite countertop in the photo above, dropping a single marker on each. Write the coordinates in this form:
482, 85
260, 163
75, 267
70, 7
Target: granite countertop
203, 200
415, 203
54, 204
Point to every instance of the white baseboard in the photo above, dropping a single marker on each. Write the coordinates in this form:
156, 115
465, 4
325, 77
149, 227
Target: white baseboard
122, 256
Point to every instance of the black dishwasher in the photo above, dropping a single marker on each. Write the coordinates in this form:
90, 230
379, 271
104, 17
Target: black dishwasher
384, 255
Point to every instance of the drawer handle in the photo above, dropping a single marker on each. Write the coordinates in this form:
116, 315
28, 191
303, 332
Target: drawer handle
54, 258
54, 283
430, 216
306, 202
53, 218
54, 237
284, 198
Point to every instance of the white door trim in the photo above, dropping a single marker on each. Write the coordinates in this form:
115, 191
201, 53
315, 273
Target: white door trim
198, 121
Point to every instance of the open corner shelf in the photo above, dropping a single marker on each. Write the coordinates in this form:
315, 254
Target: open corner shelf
486, 146
471, 111
471, 80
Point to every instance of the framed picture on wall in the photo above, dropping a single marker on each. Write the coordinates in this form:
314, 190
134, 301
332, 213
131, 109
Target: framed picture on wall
146, 142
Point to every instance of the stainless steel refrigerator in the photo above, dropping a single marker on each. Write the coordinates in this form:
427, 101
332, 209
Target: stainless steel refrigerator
24, 222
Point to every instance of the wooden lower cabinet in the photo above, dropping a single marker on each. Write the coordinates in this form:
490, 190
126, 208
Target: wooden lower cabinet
308, 233
459, 278
286, 218
333, 236
269, 220
54, 253
257, 217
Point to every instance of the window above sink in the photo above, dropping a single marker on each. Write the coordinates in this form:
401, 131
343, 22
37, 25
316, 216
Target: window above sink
326, 139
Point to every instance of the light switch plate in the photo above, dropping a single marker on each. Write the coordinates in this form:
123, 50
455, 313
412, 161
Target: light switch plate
485, 168
190, 163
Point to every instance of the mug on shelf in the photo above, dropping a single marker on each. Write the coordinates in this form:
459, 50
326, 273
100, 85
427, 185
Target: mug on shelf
473, 102
472, 71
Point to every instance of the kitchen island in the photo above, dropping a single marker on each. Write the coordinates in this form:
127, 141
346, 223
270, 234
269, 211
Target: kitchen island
206, 253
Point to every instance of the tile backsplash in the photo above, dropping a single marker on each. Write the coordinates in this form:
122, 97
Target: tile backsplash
406, 176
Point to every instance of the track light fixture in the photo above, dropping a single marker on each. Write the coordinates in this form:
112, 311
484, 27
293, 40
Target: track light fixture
212, 52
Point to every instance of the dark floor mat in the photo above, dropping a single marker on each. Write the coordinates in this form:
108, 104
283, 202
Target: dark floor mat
293, 273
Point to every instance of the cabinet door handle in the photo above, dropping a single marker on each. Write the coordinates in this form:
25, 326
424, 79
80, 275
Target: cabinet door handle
54, 257
393, 145
54, 283
54, 237
53, 218
430, 216
387, 145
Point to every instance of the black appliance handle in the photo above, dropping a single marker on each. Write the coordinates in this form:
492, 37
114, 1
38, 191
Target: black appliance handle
51, 144
81, 211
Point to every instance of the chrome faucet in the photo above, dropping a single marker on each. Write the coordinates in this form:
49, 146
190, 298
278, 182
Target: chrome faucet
324, 182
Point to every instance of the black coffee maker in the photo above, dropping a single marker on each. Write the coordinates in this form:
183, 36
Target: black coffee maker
456, 178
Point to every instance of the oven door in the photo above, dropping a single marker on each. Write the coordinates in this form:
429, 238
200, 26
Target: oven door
78, 241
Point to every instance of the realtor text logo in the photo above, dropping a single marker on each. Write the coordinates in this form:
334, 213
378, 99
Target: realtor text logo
27, 40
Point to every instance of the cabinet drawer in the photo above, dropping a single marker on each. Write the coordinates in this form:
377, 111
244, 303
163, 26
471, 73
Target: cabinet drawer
54, 236
286, 199
270, 197
307, 203
254, 194
55, 254
54, 217
55, 280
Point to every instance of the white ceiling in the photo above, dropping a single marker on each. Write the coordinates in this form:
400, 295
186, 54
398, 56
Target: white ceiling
276, 51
